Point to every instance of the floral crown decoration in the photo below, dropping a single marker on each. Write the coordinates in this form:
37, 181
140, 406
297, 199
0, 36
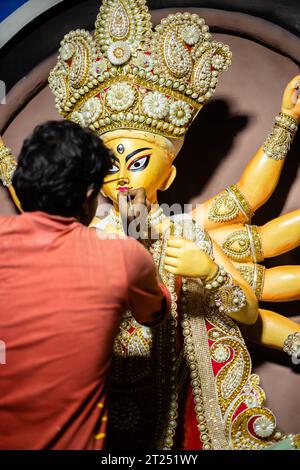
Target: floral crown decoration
129, 76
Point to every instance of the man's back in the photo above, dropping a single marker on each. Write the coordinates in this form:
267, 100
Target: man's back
62, 291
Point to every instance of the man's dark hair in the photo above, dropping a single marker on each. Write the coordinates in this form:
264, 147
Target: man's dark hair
58, 164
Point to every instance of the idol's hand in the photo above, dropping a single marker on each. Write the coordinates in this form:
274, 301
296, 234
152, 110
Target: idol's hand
184, 258
291, 99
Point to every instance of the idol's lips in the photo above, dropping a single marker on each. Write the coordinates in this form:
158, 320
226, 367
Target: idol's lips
123, 189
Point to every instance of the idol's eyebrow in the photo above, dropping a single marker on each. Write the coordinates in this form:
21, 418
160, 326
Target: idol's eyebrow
132, 154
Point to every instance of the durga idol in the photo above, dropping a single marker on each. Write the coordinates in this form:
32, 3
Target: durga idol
188, 384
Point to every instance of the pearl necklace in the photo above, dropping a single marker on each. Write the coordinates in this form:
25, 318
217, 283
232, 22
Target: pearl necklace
153, 219
157, 250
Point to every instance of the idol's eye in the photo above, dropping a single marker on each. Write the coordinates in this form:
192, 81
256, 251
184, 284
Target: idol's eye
139, 163
114, 168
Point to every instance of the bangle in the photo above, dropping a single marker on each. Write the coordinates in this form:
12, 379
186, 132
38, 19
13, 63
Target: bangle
279, 140
287, 122
254, 275
7, 165
217, 280
224, 294
292, 345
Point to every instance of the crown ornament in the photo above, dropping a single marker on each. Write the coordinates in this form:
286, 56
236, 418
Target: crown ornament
127, 75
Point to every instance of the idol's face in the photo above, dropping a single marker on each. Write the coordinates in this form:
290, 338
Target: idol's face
137, 164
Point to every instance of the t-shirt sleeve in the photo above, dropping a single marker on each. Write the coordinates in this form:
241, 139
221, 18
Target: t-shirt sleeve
148, 300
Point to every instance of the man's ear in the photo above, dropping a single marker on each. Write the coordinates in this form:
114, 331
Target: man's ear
167, 183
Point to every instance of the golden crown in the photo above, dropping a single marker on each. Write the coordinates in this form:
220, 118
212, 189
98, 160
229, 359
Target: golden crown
129, 76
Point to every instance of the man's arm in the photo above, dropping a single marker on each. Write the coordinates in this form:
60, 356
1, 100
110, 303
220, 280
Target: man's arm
148, 300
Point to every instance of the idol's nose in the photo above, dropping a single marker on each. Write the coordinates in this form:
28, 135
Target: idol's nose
123, 182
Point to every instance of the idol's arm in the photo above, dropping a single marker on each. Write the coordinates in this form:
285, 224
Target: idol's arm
261, 175
270, 330
260, 178
276, 284
251, 244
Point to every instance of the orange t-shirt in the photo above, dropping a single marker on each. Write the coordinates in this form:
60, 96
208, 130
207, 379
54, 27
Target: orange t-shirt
62, 292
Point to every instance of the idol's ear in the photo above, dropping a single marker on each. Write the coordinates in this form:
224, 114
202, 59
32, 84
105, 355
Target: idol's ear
167, 183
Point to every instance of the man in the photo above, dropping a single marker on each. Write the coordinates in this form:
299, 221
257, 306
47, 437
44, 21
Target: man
62, 291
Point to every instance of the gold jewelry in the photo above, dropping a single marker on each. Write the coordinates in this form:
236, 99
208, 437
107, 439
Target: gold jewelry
255, 243
217, 280
153, 219
244, 245
247, 272
177, 230
197, 354
295, 441
230, 204
166, 440
7, 165
292, 345
259, 280
237, 246
127, 76
279, 140
227, 296
254, 275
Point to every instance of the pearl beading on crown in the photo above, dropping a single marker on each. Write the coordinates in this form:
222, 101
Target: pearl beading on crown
128, 76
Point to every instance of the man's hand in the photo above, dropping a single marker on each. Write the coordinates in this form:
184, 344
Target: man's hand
291, 99
134, 207
184, 258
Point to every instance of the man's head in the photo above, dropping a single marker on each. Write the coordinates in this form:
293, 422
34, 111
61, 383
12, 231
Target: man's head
61, 170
